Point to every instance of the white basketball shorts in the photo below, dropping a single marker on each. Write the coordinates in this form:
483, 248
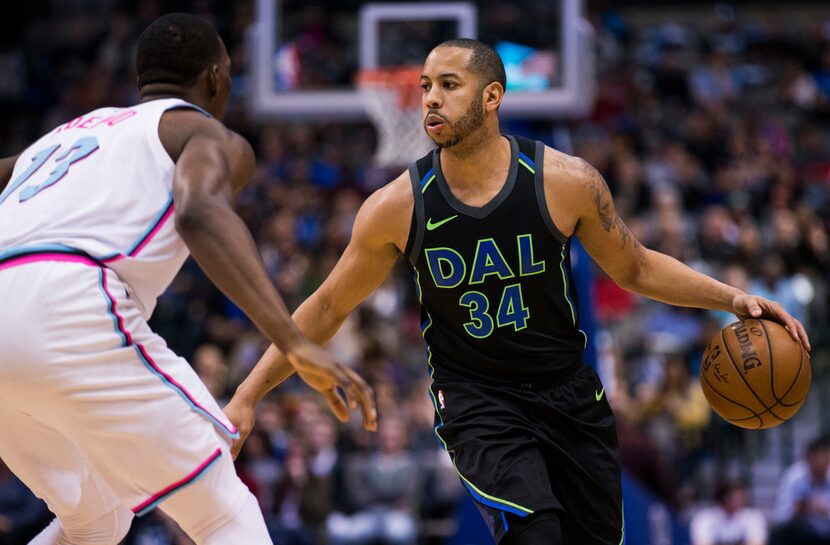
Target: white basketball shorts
87, 390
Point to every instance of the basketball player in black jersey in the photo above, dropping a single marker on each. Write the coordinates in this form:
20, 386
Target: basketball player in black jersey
485, 222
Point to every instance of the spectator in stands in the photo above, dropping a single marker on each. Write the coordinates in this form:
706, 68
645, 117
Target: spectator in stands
301, 501
803, 503
638, 452
258, 468
731, 521
716, 83
383, 489
209, 364
677, 415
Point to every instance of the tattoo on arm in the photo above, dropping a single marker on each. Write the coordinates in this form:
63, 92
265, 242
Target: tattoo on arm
605, 209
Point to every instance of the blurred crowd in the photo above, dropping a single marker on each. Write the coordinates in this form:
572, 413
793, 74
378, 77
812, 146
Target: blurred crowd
715, 141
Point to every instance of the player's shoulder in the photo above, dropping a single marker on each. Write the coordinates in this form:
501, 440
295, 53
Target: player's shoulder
570, 176
571, 168
386, 214
178, 126
394, 196
189, 122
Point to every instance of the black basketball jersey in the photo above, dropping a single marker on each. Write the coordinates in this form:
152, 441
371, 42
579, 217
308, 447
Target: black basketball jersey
495, 285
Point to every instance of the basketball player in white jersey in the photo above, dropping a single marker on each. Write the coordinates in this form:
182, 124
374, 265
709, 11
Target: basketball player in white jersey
99, 418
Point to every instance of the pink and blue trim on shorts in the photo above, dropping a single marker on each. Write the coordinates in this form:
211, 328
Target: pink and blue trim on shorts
150, 503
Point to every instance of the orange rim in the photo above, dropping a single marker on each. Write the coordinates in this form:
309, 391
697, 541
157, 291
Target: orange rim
403, 80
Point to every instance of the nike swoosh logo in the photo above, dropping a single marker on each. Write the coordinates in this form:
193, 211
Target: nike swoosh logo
432, 226
598, 395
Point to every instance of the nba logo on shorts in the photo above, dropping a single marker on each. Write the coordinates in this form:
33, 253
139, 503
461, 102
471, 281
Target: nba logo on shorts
441, 399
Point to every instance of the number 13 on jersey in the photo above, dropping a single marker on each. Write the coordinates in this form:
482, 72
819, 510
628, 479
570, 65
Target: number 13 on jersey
81, 149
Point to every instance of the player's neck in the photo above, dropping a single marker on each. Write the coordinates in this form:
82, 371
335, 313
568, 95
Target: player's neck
473, 161
157, 91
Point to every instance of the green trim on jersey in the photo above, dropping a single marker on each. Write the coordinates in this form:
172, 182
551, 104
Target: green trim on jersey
568, 299
530, 168
426, 184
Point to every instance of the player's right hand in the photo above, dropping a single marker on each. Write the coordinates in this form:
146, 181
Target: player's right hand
242, 414
323, 373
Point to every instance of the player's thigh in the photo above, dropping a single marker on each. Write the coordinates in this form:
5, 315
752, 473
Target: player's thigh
53, 467
493, 446
148, 427
141, 416
218, 509
581, 449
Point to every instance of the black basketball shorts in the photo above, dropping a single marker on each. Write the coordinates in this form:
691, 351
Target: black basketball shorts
520, 448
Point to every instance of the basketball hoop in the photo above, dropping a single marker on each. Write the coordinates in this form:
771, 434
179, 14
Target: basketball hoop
392, 98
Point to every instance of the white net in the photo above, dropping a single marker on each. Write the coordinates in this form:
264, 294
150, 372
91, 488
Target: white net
392, 98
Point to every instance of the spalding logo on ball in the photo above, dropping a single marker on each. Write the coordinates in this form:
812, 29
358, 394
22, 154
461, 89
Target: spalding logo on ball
754, 374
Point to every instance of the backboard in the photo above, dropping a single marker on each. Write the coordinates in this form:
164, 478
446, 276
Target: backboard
305, 54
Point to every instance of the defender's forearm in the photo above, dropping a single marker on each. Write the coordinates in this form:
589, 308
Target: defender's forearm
666, 279
223, 247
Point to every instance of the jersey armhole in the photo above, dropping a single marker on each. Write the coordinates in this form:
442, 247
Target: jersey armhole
416, 228
539, 182
155, 139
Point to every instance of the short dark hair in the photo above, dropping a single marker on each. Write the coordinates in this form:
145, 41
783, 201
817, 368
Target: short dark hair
484, 61
724, 487
175, 49
821, 442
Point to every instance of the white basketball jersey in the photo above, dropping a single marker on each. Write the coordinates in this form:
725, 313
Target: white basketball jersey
101, 184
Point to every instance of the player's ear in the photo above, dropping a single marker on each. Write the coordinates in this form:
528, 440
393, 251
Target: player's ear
493, 95
213, 79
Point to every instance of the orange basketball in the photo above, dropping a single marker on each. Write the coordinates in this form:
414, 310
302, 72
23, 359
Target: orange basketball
754, 374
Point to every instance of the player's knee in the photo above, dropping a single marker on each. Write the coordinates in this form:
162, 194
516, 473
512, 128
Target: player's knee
108, 529
246, 526
121, 524
218, 509
541, 528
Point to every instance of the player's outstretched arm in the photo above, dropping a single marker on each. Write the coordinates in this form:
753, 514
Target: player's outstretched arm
379, 233
211, 162
6, 169
653, 274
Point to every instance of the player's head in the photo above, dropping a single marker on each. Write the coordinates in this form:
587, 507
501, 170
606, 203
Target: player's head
731, 495
463, 82
183, 55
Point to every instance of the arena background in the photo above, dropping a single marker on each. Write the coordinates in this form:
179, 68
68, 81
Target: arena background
711, 123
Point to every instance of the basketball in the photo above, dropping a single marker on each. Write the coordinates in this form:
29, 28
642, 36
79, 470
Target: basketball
754, 374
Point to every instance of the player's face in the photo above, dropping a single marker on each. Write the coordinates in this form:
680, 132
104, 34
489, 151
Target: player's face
219, 103
453, 103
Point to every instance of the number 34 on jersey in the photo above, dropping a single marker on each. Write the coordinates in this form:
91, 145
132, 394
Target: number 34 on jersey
449, 270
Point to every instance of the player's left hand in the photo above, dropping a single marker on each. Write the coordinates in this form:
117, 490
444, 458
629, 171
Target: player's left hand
745, 306
242, 414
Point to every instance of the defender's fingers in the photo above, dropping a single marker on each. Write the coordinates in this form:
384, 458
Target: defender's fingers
337, 405
364, 394
345, 382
